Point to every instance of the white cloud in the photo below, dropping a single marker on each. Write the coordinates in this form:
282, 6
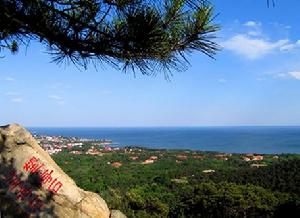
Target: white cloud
10, 79
222, 80
55, 97
287, 47
17, 100
254, 28
253, 48
281, 75
11, 93
294, 74
252, 24
290, 46
254, 33
58, 99
59, 86
287, 75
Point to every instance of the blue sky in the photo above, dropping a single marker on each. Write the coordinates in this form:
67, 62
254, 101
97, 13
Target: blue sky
255, 80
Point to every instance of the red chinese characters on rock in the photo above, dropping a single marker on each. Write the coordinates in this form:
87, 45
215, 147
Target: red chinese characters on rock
23, 191
35, 166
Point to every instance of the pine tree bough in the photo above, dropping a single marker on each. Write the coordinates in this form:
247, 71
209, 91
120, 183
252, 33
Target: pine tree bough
140, 34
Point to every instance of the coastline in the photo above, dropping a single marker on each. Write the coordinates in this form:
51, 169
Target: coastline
264, 140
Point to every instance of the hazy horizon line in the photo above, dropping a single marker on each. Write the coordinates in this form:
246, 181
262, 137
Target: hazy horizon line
179, 126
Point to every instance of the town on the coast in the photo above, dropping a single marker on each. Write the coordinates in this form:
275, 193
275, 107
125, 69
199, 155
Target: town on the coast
100, 147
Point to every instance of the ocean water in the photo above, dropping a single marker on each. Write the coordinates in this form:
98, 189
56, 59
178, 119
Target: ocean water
266, 140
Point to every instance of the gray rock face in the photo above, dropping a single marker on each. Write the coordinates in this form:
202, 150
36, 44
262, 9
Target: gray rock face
32, 184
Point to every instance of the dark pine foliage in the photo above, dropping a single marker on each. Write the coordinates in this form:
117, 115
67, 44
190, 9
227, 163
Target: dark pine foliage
140, 34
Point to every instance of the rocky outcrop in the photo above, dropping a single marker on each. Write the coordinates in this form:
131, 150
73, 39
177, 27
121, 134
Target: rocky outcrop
33, 184
117, 214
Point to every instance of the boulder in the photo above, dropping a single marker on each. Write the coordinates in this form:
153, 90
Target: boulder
117, 214
33, 185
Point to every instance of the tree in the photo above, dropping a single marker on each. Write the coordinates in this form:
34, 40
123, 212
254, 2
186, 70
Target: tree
136, 34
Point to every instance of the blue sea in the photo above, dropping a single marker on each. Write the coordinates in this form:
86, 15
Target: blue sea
265, 140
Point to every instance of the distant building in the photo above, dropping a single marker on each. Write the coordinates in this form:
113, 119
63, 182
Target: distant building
198, 156
253, 157
76, 144
107, 148
93, 151
148, 161
258, 157
180, 181
221, 156
181, 157
54, 150
153, 158
134, 158
258, 165
208, 171
116, 164
246, 159
76, 152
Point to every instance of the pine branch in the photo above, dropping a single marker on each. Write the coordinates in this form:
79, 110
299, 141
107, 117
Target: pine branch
140, 34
